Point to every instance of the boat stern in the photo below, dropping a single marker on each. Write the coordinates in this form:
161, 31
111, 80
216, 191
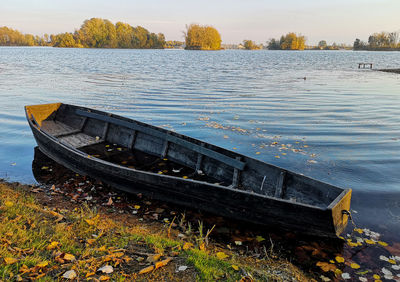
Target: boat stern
341, 211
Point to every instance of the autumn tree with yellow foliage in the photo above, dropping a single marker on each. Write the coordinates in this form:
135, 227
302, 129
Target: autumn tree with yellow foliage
290, 41
199, 37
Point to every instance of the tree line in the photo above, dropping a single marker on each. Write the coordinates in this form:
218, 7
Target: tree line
94, 33
381, 41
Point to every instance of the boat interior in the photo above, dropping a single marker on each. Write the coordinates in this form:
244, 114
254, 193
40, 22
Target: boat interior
139, 146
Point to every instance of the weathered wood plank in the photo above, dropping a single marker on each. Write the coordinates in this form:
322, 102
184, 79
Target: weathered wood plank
280, 186
153, 132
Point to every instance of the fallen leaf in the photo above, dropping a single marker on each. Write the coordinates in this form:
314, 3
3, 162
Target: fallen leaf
10, 260
90, 221
104, 278
354, 265
42, 264
89, 274
8, 204
70, 274
339, 259
153, 258
187, 246
359, 230
110, 202
235, 267
260, 238
90, 241
384, 244
324, 278
147, 269
137, 207
182, 268
163, 263
346, 276
222, 255
69, 257
106, 269
326, 266
371, 242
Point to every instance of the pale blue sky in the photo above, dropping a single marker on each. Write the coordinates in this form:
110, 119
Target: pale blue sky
337, 21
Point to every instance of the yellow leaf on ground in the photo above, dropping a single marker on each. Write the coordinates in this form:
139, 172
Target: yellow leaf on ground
90, 241
392, 261
10, 260
187, 246
163, 262
42, 264
52, 245
354, 265
222, 255
376, 276
8, 204
339, 259
89, 274
147, 269
90, 221
137, 207
102, 249
384, 244
325, 266
235, 267
104, 278
69, 257
338, 272
202, 246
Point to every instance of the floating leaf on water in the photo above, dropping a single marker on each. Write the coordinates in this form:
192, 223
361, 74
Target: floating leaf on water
222, 255
312, 161
13, 164
234, 148
354, 265
339, 259
10, 260
359, 230
346, 276
278, 157
70, 274
226, 136
257, 153
235, 267
383, 258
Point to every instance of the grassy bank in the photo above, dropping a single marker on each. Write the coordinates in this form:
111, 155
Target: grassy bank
46, 238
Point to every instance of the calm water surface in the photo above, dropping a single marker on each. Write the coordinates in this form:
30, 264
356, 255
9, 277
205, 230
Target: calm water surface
312, 112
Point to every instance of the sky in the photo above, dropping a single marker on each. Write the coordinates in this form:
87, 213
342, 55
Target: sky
336, 21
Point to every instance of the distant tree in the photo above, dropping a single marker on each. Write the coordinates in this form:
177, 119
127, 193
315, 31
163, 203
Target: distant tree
322, 44
250, 45
124, 34
202, 38
98, 33
273, 44
290, 41
64, 40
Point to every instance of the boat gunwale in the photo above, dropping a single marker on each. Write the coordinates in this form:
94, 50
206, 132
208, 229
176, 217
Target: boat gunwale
81, 153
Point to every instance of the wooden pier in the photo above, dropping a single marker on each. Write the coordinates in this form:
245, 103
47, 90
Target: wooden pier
365, 65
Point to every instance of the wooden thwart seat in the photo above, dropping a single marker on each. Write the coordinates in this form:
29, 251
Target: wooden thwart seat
235, 163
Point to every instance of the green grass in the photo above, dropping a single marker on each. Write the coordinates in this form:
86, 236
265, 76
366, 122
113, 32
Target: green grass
28, 228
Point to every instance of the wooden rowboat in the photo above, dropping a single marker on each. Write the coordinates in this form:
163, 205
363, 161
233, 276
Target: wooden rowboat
140, 158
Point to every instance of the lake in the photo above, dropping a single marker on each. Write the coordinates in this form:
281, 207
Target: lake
313, 112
